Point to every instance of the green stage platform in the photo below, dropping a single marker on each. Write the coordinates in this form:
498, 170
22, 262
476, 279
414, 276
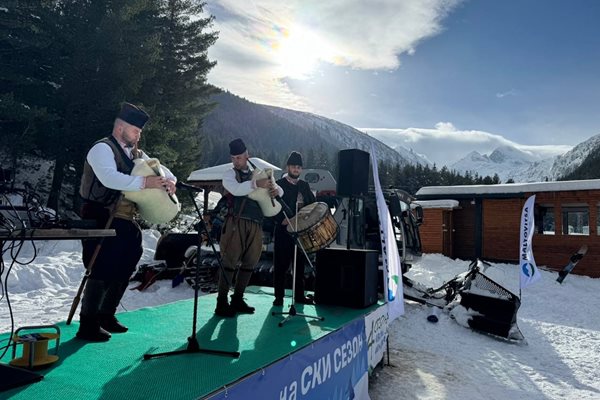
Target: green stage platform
116, 369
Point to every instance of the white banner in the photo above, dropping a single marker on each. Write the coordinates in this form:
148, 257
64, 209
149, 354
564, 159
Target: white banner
376, 331
392, 270
529, 271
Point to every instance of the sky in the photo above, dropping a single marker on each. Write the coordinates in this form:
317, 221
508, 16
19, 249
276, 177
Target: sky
479, 73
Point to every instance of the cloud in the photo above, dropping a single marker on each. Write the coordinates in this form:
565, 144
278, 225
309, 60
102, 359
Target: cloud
261, 43
511, 92
445, 144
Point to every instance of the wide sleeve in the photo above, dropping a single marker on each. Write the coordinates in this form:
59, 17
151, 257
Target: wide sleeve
102, 160
236, 188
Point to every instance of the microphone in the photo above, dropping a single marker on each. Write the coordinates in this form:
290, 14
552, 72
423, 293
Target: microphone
185, 186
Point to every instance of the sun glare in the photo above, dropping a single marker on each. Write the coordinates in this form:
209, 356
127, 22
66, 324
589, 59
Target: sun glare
297, 52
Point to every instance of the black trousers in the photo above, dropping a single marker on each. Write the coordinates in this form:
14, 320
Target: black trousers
283, 259
116, 261
118, 254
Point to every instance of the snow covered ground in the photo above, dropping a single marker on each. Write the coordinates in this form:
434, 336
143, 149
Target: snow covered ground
429, 361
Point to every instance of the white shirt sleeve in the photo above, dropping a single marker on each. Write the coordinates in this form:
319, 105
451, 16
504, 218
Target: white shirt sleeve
241, 189
236, 188
102, 160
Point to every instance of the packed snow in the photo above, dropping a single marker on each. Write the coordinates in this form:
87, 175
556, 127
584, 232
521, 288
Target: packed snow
442, 360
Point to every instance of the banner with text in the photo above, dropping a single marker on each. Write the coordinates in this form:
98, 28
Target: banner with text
376, 330
334, 367
529, 270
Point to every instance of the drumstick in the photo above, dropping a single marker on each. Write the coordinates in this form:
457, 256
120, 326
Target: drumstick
270, 176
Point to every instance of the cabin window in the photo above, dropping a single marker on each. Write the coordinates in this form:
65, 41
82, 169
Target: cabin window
312, 177
544, 220
575, 221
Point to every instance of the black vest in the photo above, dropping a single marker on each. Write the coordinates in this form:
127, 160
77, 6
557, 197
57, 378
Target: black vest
249, 208
91, 189
290, 196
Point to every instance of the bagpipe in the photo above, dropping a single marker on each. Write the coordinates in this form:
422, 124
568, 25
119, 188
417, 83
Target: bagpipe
268, 205
156, 206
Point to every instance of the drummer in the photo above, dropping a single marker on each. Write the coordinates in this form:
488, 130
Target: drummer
297, 194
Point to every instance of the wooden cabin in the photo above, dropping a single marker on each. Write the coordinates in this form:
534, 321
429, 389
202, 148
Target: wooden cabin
436, 230
485, 223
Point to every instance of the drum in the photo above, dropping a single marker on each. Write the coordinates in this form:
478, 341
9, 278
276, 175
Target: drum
315, 227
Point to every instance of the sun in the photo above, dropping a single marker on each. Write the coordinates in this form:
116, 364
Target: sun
297, 52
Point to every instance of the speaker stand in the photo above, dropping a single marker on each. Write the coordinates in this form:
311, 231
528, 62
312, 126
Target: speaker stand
350, 221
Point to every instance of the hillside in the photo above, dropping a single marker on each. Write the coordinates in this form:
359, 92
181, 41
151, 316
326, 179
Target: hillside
582, 162
272, 132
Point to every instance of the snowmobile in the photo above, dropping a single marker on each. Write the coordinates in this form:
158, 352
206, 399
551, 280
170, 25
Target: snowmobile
473, 300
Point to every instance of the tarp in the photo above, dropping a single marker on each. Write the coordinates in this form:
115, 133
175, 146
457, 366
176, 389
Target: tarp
216, 173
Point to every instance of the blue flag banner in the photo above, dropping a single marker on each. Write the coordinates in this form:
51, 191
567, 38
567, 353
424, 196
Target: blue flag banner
529, 270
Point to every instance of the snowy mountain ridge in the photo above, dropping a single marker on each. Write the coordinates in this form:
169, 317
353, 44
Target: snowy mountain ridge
572, 159
506, 161
511, 163
338, 133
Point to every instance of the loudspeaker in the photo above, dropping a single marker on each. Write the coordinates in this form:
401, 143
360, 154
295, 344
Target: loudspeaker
353, 178
346, 277
171, 247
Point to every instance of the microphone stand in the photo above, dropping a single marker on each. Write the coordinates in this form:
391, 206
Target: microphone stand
192, 345
293, 312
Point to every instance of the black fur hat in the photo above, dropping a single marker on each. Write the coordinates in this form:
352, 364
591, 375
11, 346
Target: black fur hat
133, 115
295, 158
236, 147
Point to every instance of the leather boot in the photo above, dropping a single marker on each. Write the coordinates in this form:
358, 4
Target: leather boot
89, 325
224, 309
108, 308
90, 329
239, 305
304, 300
111, 323
278, 302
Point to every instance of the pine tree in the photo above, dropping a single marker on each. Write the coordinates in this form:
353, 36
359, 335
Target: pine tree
27, 79
178, 93
107, 50
73, 62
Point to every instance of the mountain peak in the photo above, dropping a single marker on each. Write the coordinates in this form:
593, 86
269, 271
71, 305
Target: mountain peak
510, 153
475, 156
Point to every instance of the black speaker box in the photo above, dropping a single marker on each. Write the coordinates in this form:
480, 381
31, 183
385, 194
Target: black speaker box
346, 277
353, 178
171, 247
